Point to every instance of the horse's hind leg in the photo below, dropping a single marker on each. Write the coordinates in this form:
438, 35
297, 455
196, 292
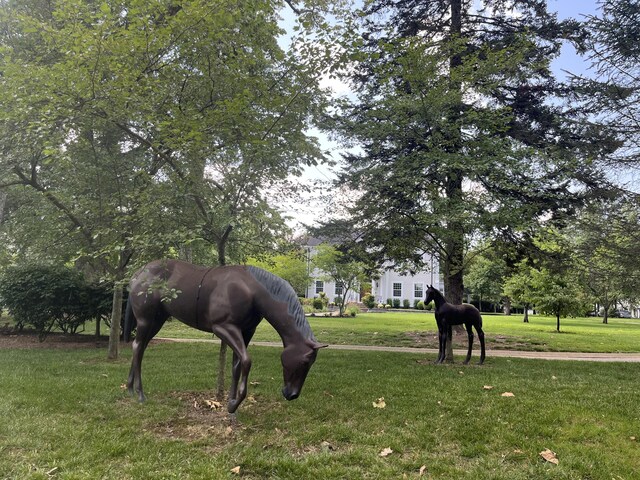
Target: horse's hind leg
470, 335
145, 331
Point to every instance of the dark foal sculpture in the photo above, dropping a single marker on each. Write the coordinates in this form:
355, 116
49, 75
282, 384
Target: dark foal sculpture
229, 301
448, 315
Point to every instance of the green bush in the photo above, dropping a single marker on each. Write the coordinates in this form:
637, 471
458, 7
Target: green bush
317, 303
352, 310
369, 301
396, 303
420, 305
406, 303
45, 297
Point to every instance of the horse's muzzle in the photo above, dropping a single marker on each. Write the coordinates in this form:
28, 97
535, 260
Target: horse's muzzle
290, 395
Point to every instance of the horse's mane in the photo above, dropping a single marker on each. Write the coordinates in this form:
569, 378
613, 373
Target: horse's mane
282, 291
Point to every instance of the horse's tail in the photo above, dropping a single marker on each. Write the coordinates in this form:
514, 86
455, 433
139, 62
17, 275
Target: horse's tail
129, 320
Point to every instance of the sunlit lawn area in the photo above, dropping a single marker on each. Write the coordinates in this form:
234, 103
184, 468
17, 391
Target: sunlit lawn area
66, 417
419, 330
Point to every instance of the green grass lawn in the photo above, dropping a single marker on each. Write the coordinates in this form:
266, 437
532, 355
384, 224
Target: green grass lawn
65, 416
419, 330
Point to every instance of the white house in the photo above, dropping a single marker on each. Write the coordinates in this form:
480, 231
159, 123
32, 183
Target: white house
391, 284
398, 285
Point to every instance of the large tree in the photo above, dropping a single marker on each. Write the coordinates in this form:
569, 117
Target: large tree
605, 240
613, 89
139, 126
462, 129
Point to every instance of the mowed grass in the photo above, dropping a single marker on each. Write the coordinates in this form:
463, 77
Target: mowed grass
65, 416
413, 329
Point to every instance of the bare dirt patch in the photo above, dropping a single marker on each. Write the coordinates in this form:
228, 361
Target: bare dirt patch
429, 339
202, 418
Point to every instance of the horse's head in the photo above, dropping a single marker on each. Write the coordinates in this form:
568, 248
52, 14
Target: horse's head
297, 359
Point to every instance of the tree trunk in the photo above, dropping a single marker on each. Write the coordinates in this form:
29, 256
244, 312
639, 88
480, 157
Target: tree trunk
97, 326
507, 306
558, 322
3, 201
605, 316
526, 313
116, 315
222, 357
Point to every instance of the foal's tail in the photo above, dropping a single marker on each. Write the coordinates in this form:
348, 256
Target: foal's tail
129, 321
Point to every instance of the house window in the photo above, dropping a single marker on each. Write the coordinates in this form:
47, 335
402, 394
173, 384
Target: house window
319, 286
418, 291
339, 288
397, 289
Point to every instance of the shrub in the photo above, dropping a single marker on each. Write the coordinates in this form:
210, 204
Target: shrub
406, 303
338, 301
369, 301
317, 303
324, 299
389, 302
352, 310
420, 305
396, 303
45, 297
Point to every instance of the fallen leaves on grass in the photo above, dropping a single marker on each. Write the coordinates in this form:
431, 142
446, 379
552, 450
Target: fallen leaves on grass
422, 469
507, 394
326, 446
236, 470
549, 456
385, 452
488, 387
380, 403
213, 405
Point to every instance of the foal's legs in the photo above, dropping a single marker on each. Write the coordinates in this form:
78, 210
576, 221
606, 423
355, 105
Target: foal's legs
441, 339
481, 337
470, 335
145, 331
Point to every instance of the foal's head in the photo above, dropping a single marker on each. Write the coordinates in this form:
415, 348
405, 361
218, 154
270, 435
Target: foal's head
431, 295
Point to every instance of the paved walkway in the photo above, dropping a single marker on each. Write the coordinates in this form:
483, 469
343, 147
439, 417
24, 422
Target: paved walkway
577, 356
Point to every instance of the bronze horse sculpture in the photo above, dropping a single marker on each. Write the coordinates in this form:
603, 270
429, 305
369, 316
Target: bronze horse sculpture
448, 315
229, 301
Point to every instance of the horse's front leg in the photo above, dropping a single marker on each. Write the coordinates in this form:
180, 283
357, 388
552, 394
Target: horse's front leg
235, 376
241, 366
